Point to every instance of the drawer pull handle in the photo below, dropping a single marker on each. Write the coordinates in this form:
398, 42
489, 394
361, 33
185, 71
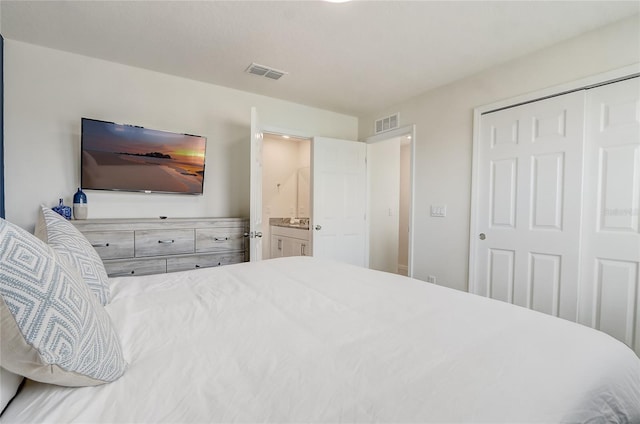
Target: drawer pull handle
100, 245
221, 238
197, 266
166, 241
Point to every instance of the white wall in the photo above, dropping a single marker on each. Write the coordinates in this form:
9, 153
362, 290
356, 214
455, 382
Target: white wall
48, 91
444, 127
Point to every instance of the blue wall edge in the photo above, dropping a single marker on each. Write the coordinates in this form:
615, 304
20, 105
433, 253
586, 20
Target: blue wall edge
2, 215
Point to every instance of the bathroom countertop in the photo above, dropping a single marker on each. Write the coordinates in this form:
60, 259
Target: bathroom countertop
303, 223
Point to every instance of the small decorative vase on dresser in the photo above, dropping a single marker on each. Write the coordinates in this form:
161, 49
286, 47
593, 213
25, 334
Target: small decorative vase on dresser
62, 209
80, 208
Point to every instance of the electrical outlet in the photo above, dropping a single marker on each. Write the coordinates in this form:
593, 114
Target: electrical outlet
431, 279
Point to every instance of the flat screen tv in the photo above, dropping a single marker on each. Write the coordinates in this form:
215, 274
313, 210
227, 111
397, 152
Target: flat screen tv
131, 158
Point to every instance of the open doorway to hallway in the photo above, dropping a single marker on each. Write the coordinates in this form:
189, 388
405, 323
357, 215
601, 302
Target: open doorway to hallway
389, 198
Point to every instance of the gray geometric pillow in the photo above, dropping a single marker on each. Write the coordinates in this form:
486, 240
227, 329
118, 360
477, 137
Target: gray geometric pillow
54, 329
65, 239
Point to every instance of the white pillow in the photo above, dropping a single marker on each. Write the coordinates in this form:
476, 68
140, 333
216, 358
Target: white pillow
54, 330
9, 384
69, 243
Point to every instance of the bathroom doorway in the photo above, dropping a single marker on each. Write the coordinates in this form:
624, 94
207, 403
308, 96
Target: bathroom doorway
286, 192
285, 184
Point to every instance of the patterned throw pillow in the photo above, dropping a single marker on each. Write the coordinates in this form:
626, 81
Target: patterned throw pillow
69, 243
54, 329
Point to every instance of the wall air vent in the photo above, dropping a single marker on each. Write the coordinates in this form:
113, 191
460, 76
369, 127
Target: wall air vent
387, 123
265, 71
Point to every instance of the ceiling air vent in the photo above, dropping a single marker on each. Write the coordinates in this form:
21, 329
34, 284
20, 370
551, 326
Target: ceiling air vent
265, 71
387, 123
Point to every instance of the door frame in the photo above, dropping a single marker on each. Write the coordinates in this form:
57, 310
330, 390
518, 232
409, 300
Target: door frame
399, 132
255, 200
583, 83
275, 131
284, 131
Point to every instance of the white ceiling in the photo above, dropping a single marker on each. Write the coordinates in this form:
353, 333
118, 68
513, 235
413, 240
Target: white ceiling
354, 58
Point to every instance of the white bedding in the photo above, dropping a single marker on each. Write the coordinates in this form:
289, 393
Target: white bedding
299, 339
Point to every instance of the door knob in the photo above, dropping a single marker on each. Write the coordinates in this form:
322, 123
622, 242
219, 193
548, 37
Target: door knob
258, 234
318, 227
482, 236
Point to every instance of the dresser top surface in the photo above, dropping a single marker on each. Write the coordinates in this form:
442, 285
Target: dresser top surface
140, 223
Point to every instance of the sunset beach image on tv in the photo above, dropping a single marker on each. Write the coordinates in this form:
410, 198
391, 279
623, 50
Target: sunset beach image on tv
131, 158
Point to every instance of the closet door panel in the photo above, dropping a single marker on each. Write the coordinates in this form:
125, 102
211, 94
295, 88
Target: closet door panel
530, 185
547, 197
611, 236
619, 182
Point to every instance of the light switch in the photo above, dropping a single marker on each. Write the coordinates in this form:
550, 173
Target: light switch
439, 210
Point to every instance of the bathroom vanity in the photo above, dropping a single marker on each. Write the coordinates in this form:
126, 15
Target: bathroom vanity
289, 239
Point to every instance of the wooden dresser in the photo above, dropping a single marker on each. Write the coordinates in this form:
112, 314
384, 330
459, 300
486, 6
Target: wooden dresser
154, 246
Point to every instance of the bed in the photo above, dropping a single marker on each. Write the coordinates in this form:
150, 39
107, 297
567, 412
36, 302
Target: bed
305, 340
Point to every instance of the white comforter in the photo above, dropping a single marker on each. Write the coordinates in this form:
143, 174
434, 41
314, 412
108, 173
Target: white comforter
298, 339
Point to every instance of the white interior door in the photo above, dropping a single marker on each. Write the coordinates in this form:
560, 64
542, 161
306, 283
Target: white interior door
338, 200
610, 300
529, 205
255, 219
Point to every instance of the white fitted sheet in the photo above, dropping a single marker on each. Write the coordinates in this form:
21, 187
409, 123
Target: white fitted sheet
300, 339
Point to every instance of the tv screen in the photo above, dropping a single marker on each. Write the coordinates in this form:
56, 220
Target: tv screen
132, 158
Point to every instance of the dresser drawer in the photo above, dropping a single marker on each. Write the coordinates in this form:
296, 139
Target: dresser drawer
119, 268
112, 244
219, 239
202, 261
231, 258
164, 242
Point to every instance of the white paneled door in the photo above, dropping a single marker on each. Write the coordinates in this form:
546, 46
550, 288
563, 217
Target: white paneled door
611, 235
255, 219
338, 203
528, 213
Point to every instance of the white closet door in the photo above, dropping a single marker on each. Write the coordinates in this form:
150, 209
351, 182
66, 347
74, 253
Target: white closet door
528, 213
610, 300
